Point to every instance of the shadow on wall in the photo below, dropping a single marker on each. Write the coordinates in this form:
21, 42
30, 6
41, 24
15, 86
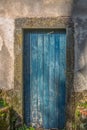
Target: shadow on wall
78, 88
81, 59
80, 46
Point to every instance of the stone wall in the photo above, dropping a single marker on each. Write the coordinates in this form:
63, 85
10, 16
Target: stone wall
10, 11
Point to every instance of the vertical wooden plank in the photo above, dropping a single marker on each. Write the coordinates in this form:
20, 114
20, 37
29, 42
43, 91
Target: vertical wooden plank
40, 79
33, 77
26, 79
57, 66
62, 88
51, 82
46, 81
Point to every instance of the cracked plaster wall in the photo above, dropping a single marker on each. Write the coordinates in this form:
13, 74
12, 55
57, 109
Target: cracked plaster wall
12, 9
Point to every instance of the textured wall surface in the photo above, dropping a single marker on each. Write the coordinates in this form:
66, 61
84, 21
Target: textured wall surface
12, 9
35, 8
11, 50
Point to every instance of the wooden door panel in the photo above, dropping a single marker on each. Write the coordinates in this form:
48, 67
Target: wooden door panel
44, 78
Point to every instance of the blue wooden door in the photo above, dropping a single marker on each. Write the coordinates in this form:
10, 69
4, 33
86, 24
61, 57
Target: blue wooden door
44, 66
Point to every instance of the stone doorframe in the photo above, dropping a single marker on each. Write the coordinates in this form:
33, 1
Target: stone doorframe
44, 23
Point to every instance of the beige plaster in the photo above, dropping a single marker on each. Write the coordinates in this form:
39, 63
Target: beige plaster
6, 53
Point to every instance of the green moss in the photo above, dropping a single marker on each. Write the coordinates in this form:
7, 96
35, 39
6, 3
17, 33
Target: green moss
24, 127
3, 103
77, 114
4, 119
4, 115
83, 104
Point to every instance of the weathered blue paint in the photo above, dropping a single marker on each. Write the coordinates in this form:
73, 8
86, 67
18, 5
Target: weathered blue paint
44, 78
46, 81
52, 103
57, 70
33, 77
26, 81
40, 79
62, 81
